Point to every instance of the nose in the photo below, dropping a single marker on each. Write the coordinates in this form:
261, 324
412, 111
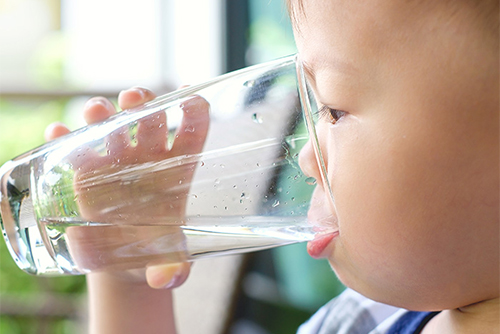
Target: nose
308, 161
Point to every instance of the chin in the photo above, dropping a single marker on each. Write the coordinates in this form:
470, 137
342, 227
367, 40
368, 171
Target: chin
397, 295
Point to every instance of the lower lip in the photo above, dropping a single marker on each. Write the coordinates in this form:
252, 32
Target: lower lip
316, 247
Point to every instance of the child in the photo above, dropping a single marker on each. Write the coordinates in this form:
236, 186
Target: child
410, 139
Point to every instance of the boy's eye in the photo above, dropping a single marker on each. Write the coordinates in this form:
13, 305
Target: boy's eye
331, 114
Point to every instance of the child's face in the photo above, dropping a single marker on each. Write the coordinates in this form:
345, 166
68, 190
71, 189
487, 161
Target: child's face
414, 163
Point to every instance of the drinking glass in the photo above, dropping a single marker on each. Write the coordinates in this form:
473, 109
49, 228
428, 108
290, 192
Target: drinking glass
207, 170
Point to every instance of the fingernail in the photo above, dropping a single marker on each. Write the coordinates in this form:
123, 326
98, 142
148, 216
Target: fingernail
174, 281
139, 90
97, 101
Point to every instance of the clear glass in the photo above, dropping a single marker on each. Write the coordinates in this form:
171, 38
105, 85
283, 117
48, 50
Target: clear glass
207, 170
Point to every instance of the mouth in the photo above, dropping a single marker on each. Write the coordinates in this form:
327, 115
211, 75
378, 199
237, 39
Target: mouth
317, 247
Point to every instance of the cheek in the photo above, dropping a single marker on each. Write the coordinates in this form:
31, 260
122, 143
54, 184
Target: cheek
384, 177
383, 182
406, 195
373, 203
364, 198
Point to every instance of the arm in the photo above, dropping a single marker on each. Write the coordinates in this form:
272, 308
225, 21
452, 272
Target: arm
118, 305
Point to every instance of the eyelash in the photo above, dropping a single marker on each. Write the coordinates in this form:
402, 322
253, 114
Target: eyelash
334, 115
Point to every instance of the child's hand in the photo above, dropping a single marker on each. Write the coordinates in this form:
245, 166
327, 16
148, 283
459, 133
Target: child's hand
94, 201
153, 194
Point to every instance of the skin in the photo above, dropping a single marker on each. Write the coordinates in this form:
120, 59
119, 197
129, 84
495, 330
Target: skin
125, 301
413, 161
413, 164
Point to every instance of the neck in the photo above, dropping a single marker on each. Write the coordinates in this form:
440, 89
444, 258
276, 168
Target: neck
482, 317
485, 313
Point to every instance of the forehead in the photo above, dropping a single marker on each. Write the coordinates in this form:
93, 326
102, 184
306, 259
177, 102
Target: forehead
302, 11
368, 26
331, 32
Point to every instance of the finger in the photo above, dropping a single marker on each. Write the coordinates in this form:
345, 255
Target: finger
134, 97
97, 109
191, 135
151, 131
55, 130
167, 276
82, 155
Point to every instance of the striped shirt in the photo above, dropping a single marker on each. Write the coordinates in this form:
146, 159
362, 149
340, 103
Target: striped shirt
352, 313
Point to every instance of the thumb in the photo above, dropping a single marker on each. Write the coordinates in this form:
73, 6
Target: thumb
167, 276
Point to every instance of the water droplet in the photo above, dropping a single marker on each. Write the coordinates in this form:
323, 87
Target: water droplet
202, 163
195, 196
235, 186
222, 166
249, 83
257, 118
293, 198
276, 203
225, 208
189, 128
311, 181
242, 195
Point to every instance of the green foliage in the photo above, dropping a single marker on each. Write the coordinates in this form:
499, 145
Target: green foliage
15, 326
22, 125
63, 190
23, 325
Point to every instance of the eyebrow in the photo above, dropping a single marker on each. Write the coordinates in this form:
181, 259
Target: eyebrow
340, 66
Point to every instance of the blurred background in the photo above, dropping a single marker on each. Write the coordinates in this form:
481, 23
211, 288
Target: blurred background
55, 54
